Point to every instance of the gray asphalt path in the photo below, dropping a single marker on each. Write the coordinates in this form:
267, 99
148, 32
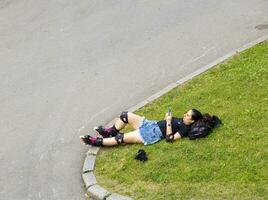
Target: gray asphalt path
66, 66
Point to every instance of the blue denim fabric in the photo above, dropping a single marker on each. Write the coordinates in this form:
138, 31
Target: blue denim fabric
150, 132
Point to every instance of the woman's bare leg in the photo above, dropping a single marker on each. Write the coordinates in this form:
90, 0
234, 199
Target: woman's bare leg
132, 137
133, 120
125, 118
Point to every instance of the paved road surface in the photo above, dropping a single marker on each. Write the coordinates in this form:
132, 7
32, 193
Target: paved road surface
68, 65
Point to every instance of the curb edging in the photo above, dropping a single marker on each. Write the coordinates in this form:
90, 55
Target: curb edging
96, 191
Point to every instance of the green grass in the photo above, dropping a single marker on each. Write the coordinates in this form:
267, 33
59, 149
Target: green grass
231, 163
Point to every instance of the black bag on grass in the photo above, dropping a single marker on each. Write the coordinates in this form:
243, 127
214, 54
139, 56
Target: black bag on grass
141, 155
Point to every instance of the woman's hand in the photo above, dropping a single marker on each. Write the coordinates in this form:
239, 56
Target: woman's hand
170, 138
168, 118
173, 137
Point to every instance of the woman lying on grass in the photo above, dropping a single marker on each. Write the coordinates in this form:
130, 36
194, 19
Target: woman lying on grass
146, 131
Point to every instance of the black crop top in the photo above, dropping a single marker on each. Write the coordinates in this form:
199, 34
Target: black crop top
177, 126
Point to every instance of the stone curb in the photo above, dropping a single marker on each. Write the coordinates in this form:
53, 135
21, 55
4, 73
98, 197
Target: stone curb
89, 179
118, 197
96, 191
89, 163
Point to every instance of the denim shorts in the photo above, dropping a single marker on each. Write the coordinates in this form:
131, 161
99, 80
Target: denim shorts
150, 131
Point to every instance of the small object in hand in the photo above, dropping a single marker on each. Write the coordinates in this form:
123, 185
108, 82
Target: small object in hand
169, 111
141, 155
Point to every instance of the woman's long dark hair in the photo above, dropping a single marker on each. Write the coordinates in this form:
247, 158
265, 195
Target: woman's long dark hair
206, 118
203, 124
196, 115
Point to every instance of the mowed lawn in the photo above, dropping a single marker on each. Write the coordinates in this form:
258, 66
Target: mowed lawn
231, 163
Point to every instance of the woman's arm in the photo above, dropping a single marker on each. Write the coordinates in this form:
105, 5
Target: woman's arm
172, 137
168, 124
177, 136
